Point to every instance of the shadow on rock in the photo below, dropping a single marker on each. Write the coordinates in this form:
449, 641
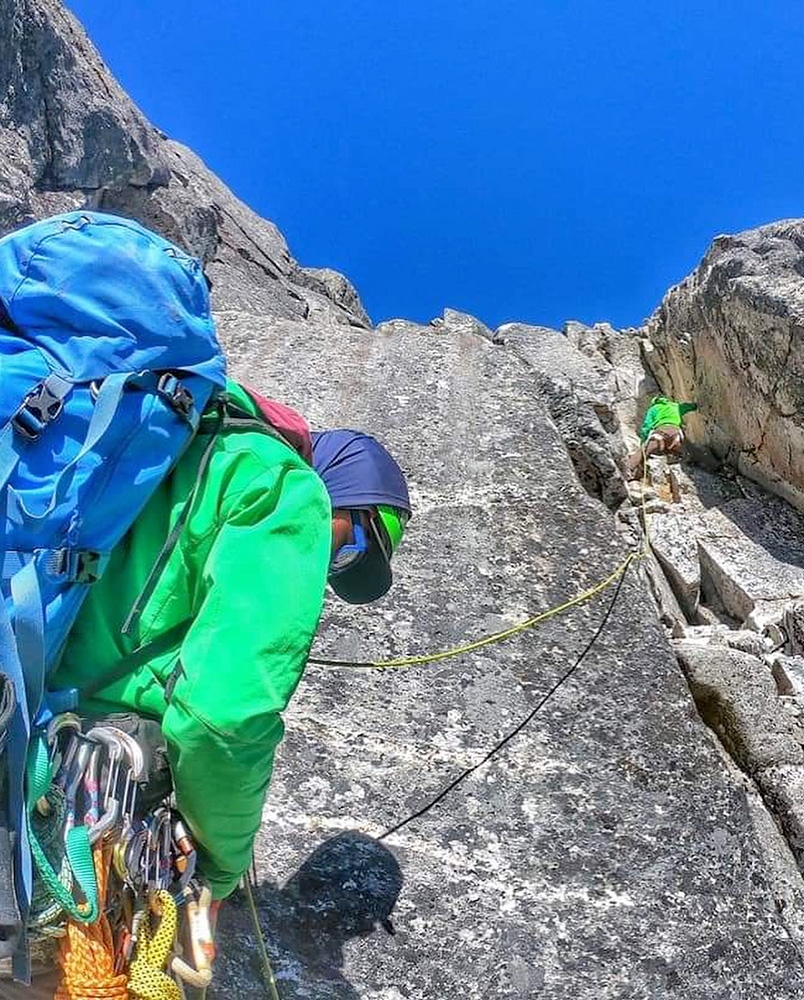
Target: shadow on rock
346, 889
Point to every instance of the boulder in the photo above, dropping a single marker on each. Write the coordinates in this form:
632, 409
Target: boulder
788, 672
731, 545
454, 321
736, 696
730, 336
339, 289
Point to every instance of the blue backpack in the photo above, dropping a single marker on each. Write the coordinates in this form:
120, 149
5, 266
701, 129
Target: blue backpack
108, 355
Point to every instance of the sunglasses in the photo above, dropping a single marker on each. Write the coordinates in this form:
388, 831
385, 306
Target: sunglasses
350, 555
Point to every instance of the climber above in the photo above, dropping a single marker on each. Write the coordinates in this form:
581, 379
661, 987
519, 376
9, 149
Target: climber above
662, 432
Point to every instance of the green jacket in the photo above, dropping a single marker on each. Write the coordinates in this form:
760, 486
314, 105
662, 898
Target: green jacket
663, 411
248, 573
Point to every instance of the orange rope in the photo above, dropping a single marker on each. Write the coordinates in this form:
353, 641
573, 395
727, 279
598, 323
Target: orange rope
86, 953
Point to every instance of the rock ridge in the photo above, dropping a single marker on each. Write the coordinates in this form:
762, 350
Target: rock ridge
733, 333
71, 138
615, 849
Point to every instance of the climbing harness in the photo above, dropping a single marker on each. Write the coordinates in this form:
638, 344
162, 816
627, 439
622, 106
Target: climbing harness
116, 884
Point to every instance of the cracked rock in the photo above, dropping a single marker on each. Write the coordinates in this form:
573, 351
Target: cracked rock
737, 321
736, 696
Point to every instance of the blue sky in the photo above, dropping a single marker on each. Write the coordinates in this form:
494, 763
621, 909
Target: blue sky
516, 159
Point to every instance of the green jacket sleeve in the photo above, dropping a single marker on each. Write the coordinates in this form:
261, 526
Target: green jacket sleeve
260, 597
648, 423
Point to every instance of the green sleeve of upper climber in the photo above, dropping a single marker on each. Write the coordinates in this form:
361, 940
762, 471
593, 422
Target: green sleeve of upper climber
248, 577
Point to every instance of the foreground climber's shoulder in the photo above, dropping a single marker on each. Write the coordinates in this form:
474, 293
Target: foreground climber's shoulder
255, 500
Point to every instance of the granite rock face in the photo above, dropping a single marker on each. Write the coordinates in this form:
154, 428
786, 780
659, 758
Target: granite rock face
598, 854
611, 849
590, 379
71, 138
731, 554
65, 124
732, 336
338, 288
728, 545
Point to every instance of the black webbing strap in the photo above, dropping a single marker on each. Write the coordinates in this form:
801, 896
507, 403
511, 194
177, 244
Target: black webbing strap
235, 418
172, 539
226, 415
137, 658
7, 703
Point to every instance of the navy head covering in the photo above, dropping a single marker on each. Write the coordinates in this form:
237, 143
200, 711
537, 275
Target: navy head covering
358, 473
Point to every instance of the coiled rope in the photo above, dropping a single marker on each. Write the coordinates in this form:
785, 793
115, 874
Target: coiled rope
86, 954
147, 977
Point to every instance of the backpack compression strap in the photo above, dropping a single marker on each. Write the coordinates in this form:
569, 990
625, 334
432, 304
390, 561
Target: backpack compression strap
224, 416
22, 646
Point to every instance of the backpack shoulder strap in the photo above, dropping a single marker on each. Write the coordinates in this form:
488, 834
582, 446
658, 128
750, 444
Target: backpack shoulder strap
237, 419
222, 415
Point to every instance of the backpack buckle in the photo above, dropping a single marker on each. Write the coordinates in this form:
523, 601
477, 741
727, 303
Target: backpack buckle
77, 565
177, 394
37, 410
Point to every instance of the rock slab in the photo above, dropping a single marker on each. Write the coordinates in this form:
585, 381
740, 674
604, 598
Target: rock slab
609, 850
730, 335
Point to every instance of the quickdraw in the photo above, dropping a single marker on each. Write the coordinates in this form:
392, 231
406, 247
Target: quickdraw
118, 885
